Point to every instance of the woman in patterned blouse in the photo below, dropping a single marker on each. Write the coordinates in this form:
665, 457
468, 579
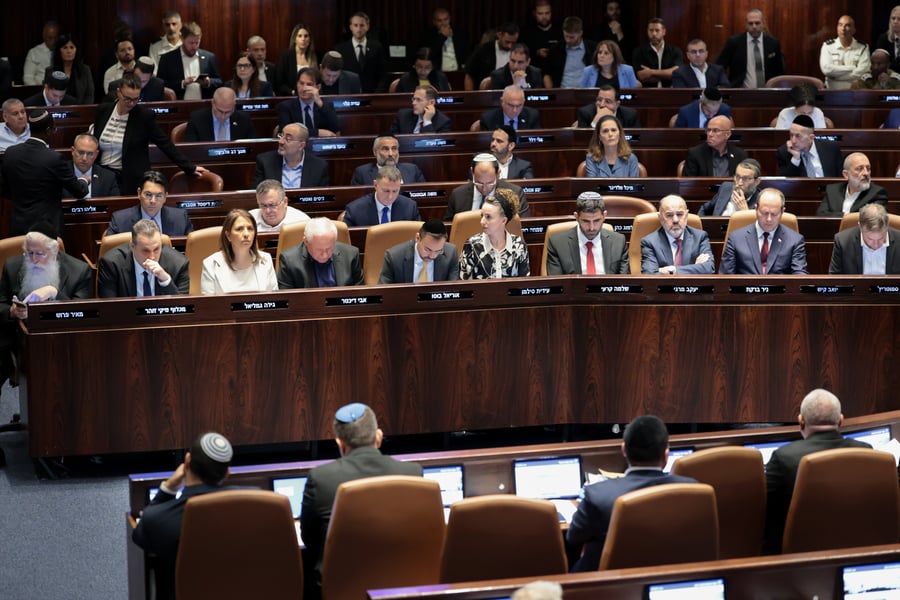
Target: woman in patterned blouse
495, 252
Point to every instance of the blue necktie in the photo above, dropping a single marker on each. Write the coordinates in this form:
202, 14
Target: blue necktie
147, 290
385, 215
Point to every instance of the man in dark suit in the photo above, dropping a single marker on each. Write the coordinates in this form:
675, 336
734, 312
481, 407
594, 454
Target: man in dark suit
518, 71
607, 103
202, 78
856, 192
335, 80
308, 107
442, 36
752, 68
85, 150
655, 61
698, 113
423, 117
256, 46
716, 157
568, 252
503, 142
512, 112
676, 248
320, 260
54, 92
805, 156
152, 206
204, 470
766, 247
143, 267
485, 178
645, 445
291, 164
365, 57
386, 149
219, 121
359, 439
566, 62
34, 177
384, 205
820, 421
698, 73
870, 248
740, 194
152, 88
483, 59
426, 258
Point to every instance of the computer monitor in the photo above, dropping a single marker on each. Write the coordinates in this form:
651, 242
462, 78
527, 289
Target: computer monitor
875, 437
292, 487
152, 492
698, 589
880, 580
767, 448
548, 478
675, 454
450, 478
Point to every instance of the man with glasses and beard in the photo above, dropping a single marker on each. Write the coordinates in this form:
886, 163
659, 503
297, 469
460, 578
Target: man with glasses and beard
854, 193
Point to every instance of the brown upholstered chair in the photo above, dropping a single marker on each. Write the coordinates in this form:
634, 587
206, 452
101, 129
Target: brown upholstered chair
468, 223
169, 95
13, 246
181, 183
789, 81
292, 234
485, 83
843, 498
384, 532
626, 206
662, 525
742, 218
738, 477
177, 133
852, 220
500, 536
238, 544
645, 224
680, 168
476, 125
200, 244
380, 238
392, 89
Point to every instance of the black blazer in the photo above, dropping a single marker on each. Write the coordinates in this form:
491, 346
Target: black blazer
646, 55
435, 41
152, 92
76, 281
502, 77
829, 156
175, 221
314, 174
295, 270
39, 101
529, 118
399, 264
362, 212
519, 168
324, 117
846, 256
285, 78
171, 71
347, 83
684, 77
116, 279
103, 183
461, 199
200, 126
834, 199
366, 174
372, 77
734, 58
627, 116
699, 162
405, 122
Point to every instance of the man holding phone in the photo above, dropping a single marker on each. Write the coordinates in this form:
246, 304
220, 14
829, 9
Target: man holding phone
193, 73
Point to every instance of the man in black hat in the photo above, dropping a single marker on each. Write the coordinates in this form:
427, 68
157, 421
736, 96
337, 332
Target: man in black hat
646, 448
54, 92
803, 155
204, 469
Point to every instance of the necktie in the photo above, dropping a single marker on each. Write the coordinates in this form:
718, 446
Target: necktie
307, 117
808, 164
679, 257
591, 267
764, 252
418, 127
386, 215
423, 274
512, 123
757, 58
361, 55
147, 290
220, 131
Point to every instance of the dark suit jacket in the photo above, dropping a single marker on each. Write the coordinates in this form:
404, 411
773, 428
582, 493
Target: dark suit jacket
564, 254
834, 199
656, 252
684, 77
38, 100
324, 117
347, 83
781, 473
885, 44
366, 174
787, 253
152, 92
284, 81
270, 76
829, 156
689, 114
103, 182
502, 77
171, 71
461, 199
34, 177
627, 116
847, 259
556, 61
529, 118
590, 523
141, 130
672, 56
482, 61
699, 162
717, 205
200, 126
175, 221
295, 269
405, 122
734, 58
434, 40
76, 281
362, 212
372, 76
399, 263
519, 168
116, 279
314, 174
409, 81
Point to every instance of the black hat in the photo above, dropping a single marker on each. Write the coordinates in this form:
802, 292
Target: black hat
39, 121
712, 94
44, 228
804, 121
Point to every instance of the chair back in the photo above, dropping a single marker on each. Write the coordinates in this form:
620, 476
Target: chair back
789, 81
200, 244
384, 532
181, 183
177, 133
662, 525
672, 120
843, 498
738, 476
581, 169
14, 246
476, 125
644, 224
392, 89
852, 220
485, 84
626, 206
553, 229
379, 239
169, 95
680, 168
245, 541
742, 218
500, 536
642, 170
468, 223
292, 234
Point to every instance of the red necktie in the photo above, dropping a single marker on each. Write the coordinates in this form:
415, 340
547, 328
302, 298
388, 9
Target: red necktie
679, 257
764, 252
591, 267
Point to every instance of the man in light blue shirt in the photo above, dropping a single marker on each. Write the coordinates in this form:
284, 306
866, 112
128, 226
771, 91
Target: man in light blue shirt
15, 128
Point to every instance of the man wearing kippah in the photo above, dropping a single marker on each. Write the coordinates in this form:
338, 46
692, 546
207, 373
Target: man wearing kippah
204, 469
646, 448
54, 92
358, 438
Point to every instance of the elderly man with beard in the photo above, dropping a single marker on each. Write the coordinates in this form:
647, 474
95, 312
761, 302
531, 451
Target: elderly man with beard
856, 192
386, 149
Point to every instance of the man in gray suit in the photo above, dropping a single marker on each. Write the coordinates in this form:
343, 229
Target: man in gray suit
676, 248
426, 258
320, 260
576, 251
143, 267
386, 149
871, 248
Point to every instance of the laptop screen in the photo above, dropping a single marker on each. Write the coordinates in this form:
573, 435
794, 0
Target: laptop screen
450, 478
876, 437
675, 454
699, 589
766, 449
292, 487
880, 580
548, 478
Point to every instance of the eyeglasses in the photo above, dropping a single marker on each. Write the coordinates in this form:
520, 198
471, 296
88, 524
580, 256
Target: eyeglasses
485, 183
152, 196
697, 51
744, 178
129, 99
288, 138
270, 206
244, 66
716, 130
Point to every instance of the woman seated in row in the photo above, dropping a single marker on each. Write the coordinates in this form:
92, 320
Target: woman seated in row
423, 73
608, 68
301, 53
245, 82
495, 252
609, 153
67, 58
238, 266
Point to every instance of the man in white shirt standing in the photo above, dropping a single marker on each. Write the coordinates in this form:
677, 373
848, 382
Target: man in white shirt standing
844, 59
125, 56
39, 58
170, 41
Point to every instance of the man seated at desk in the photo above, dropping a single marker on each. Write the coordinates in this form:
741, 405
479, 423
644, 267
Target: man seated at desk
485, 178
291, 163
870, 248
741, 194
426, 258
588, 248
272, 208
676, 248
503, 141
320, 260
384, 205
152, 205
309, 108
85, 151
386, 149
857, 191
804, 155
423, 117
143, 267
219, 122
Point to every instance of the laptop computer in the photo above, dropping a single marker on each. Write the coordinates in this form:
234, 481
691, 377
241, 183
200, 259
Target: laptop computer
293, 488
698, 589
450, 478
875, 437
767, 448
675, 454
880, 580
558, 479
